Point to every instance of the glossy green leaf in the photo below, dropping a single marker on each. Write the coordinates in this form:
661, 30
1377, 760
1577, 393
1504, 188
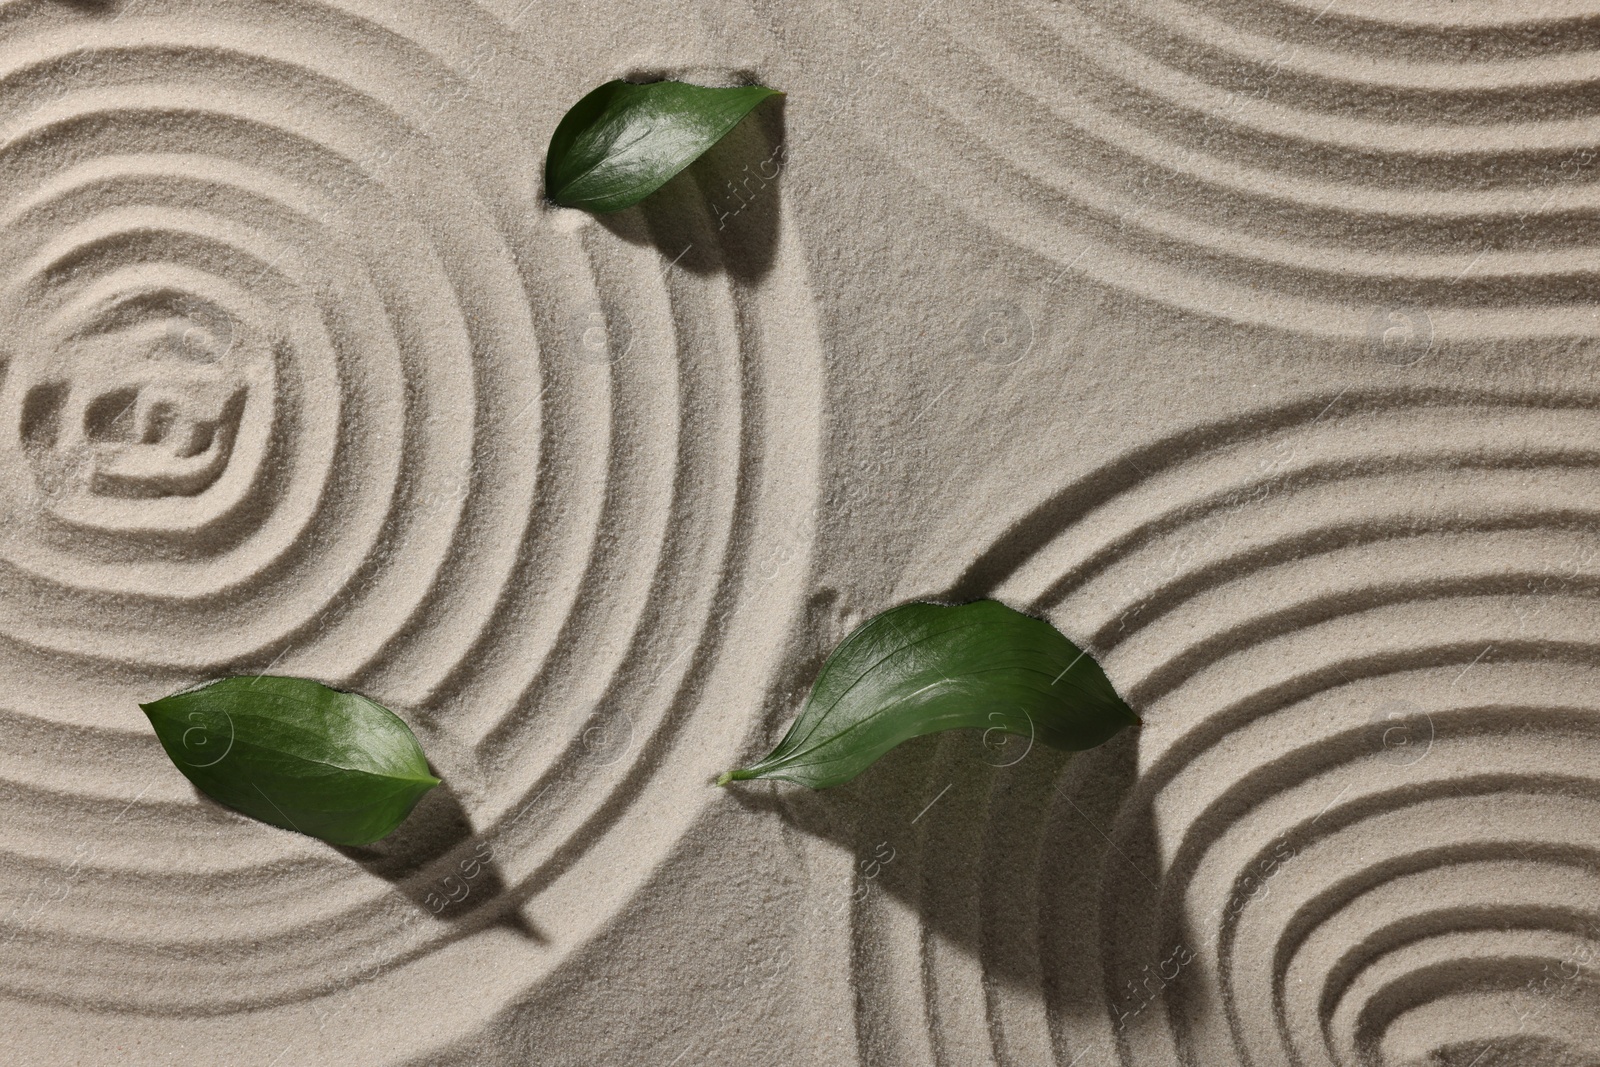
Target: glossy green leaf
922, 668
622, 142
296, 754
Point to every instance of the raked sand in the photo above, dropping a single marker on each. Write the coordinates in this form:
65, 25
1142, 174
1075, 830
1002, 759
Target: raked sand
1249, 341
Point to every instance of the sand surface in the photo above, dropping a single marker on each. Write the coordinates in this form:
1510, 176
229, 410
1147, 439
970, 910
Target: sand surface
1250, 341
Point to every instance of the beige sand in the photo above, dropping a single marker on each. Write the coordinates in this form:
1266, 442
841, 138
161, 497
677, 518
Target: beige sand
1249, 341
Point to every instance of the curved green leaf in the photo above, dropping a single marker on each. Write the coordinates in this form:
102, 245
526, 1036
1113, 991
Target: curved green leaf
622, 142
296, 754
922, 668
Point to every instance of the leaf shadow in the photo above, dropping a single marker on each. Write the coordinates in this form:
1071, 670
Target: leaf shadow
436, 860
719, 215
1010, 865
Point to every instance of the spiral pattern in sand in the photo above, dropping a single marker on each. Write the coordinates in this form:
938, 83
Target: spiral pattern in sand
1310, 166
1358, 826
302, 377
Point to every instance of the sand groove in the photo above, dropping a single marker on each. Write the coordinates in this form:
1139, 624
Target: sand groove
299, 374
303, 377
1249, 160
1359, 822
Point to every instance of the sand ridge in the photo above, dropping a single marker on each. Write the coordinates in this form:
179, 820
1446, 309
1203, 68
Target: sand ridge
1246, 340
304, 378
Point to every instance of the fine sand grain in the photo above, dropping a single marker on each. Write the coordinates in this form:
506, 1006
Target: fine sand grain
1249, 341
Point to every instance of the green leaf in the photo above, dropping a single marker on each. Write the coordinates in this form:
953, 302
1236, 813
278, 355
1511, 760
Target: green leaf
296, 754
922, 668
622, 142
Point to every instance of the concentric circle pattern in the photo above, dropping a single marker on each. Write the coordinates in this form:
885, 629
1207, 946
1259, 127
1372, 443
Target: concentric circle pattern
1359, 825
301, 376
298, 374
1300, 165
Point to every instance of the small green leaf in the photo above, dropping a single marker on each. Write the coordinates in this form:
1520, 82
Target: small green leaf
296, 754
622, 142
922, 668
